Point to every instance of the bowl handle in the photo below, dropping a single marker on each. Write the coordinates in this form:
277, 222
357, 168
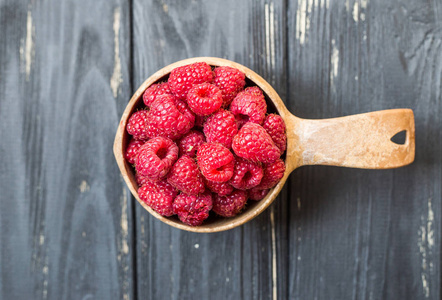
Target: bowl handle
357, 141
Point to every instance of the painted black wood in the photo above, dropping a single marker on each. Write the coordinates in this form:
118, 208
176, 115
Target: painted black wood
65, 214
358, 234
67, 70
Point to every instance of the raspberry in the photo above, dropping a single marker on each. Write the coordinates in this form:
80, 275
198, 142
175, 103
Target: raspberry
169, 119
216, 162
192, 209
184, 109
132, 150
275, 127
254, 143
204, 99
186, 177
140, 179
256, 194
230, 81
254, 90
154, 91
272, 174
249, 107
246, 174
190, 143
221, 128
221, 188
230, 205
156, 157
159, 196
137, 125
182, 79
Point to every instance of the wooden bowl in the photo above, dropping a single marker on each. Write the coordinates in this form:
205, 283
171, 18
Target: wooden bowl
358, 141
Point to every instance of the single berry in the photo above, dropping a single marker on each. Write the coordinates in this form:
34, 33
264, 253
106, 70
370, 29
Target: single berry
154, 91
193, 209
230, 205
137, 125
256, 194
204, 99
249, 107
156, 157
275, 127
132, 150
221, 128
216, 162
230, 81
159, 196
186, 177
141, 180
168, 118
190, 143
221, 188
254, 143
246, 174
182, 79
254, 90
273, 173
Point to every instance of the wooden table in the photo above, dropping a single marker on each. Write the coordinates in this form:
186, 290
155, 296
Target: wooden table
69, 228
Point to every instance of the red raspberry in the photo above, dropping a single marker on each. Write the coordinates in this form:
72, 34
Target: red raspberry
221, 128
275, 127
192, 209
132, 150
254, 90
230, 81
216, 162
230, 205
186, 177
190, 143
182, 79
254, 143
137, 125
256, 194
140, 179
249, 107
273, 173
156, 157
221, 188
184, 109
159, 196
246, 174
155, 90
204, 99
169, 119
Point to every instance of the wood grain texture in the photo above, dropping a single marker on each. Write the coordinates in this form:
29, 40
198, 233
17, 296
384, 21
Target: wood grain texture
65, 214
355, 141
357, 234
247, 262
67, 70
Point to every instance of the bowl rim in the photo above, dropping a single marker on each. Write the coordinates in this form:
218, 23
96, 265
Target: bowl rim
121, 139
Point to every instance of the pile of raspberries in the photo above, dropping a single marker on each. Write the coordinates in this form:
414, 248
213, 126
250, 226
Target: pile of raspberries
204, 142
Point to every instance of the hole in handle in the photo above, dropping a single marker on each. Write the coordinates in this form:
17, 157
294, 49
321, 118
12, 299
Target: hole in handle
400, 138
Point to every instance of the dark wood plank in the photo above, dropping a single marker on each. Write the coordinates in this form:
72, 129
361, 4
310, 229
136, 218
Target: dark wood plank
248, 262
362, 234
65, 214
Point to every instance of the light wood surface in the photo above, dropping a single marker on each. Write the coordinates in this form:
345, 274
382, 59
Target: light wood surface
360, 141
357, 141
